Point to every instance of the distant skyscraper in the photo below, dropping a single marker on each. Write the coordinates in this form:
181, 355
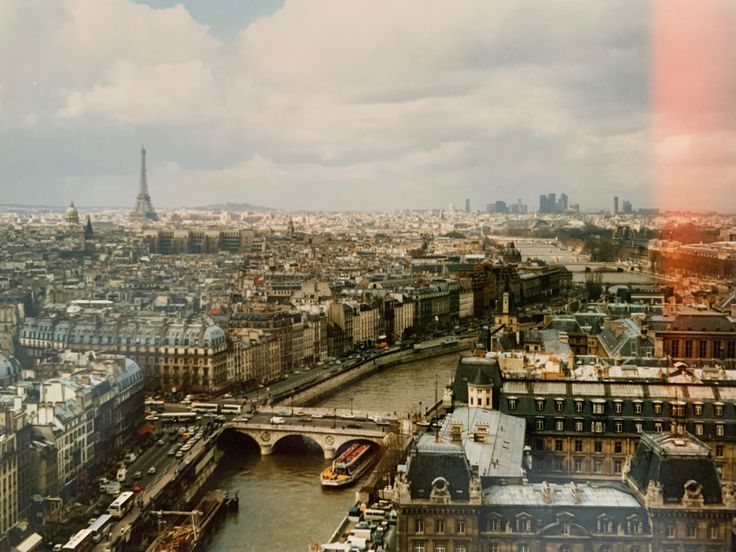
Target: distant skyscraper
518, 208
563, 203
626, 207
143, 207
467, 205
615, 205
548, 203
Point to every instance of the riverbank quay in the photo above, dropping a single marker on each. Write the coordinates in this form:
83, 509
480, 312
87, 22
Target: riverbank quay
314, 391
174, 489
194, 470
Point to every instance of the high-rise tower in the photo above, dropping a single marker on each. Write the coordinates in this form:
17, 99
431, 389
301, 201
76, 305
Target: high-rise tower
143, 207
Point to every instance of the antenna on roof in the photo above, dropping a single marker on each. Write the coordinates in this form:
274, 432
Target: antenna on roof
434, 421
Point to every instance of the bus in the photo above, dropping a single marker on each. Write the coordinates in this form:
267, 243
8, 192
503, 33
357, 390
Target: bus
31, 544
121, 505
177, 417
204, 407
231, 408
154, 405
80, 542
101, 527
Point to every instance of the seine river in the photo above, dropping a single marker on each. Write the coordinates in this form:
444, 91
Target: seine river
282, 505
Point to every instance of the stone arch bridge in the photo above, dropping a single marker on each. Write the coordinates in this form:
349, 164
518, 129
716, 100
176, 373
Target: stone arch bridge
329, 434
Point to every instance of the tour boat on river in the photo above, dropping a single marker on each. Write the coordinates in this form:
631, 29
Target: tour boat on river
349, 466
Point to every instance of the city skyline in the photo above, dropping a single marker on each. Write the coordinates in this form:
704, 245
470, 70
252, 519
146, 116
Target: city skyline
368, 106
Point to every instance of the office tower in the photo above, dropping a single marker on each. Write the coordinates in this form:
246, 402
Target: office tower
562, 206
615, 205
467, 205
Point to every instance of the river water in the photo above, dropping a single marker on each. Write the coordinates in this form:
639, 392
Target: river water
282, 504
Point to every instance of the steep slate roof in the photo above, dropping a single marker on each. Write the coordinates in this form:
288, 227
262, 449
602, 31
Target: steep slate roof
467, 371
429, 460
705, 321
593, 502
673, 460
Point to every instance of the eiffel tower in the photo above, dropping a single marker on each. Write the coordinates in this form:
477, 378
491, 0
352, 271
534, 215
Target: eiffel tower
143, 207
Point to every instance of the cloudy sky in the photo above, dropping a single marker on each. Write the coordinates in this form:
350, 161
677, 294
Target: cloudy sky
360, 104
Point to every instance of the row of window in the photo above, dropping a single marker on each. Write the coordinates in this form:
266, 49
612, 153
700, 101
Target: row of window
520, 547
598, 406
439, 526
691, 531
110, 340
438, 547
619, 426
557, 463
718, 349
523, 524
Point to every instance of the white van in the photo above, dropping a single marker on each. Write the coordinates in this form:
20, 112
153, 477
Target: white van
122, 474
111, 487
277, 420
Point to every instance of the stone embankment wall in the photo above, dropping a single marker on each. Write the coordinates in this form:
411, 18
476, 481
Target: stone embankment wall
339, 381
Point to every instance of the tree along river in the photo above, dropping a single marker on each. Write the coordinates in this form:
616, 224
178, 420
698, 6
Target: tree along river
282, 504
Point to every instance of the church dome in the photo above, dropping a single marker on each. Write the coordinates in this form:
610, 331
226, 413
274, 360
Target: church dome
71, 216
511, 255
9, 368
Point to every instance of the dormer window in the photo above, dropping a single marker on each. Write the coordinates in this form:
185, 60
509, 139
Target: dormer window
523, 523
605, 524
495, 524
539, 404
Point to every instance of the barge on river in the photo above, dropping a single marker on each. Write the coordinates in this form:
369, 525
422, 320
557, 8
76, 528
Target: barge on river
349, 466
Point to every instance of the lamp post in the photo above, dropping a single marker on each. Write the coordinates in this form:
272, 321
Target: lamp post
334, 418
351, 406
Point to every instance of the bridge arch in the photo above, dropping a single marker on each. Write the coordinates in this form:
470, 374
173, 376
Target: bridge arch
330, 441
280, 440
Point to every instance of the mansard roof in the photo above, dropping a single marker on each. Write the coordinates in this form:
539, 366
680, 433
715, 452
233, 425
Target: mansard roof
430, 460
675, 460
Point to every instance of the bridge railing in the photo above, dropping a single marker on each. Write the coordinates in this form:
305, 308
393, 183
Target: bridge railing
346, 413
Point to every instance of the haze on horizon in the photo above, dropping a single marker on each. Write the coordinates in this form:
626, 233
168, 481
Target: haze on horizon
367, 104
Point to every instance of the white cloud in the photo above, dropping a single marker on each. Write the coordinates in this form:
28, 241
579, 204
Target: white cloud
179, 94
327, 98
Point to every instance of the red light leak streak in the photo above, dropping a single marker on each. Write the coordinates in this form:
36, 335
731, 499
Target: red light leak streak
694, 104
